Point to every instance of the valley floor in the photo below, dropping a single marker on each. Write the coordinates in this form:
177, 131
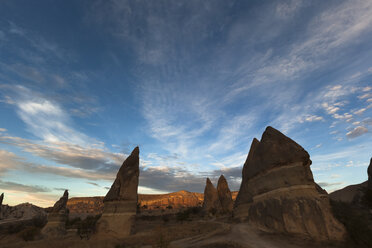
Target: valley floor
187, 234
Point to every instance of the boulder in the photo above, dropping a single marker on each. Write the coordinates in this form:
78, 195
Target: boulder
224, 194
120, 203
211, 203
278, 192
57, 217
369, 171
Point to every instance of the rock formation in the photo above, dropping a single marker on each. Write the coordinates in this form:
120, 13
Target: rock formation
120, 203
211, 204
369, 171
350, 194
57, 217
1, 199
224, 194
20, 216
176, 200
278, 192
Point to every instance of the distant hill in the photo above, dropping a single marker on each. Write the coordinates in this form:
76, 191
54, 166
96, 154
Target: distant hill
348, 193
83, 206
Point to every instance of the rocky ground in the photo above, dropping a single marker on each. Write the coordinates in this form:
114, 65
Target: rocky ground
177, 234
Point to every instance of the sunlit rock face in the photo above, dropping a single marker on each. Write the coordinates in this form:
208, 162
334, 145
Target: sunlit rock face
120, 203
57, 217
175, 200
211, 204
224, 194
278, 192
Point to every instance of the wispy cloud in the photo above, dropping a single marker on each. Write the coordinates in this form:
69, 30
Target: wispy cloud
22, 188
356, 132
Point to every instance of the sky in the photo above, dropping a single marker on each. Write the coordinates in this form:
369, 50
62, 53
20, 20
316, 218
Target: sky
190, 82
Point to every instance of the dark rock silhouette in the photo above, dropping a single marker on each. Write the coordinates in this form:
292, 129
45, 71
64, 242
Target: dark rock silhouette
211, 204
278, 192
224, 194
369, 171
120, 203
126, 182
1, 199
56, 225
60, 205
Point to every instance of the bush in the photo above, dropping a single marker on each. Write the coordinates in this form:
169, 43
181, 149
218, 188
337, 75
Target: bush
73, 223
165, 218
162, 240
183, 215
87, 226
29, 233
213, 211
169, 207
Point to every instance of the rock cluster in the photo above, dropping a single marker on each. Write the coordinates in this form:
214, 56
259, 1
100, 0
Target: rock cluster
217, 200
278, 192
211, 204
57, 217
369, 171
224, 195
120, 203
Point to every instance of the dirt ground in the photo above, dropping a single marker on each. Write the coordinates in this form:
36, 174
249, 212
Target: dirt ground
175, 234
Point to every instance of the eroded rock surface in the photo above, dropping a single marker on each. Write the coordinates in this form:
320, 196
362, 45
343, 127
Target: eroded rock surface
224, 194
120, 203
211, 204
57, 217
278, 192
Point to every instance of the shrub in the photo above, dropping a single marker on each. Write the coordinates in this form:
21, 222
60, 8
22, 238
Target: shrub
29, 233
213, 211
169, 207
165, 218
183, 215
73, 223
162, 240
87, 226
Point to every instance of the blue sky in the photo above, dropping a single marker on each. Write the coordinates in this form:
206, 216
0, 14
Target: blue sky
191, 82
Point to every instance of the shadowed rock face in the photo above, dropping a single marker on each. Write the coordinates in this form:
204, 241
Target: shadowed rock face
56, 225
60, 205
278, 192
1, 199
369, 171
211, 201
120, 203
224, 194
126, 182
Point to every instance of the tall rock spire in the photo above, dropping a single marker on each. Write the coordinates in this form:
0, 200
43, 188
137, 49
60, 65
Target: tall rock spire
224, 194
56, 225
278, 191
126, 183
211, 203
120, 203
